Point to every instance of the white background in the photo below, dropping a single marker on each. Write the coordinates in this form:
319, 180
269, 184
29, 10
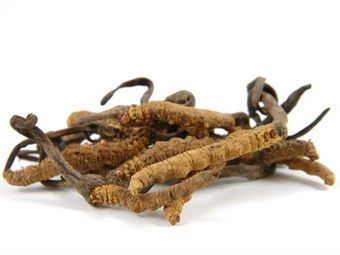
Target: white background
60, 56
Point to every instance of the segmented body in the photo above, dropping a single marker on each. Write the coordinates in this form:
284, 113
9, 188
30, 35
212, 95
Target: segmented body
289, 149
174, 197
115, 195
195, 121
31, 174
312, 168
235, 145
107, 128
159, 152
172, 211
84, 158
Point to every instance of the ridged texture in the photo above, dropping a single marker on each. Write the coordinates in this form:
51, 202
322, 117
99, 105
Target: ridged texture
31, 174
238, 143
289, 149
115, 195
84, 158
195, 121
159, 152
312, 168
172, 211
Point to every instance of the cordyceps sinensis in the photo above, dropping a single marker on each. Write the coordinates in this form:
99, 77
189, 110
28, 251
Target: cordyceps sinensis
196, 122
176, 110
91, 157
159, 152
199, 159
86, 158
166, 141
96, 191
173, 198
112, 125
182, 97
238, 143
86, 184
296, 154
75, 117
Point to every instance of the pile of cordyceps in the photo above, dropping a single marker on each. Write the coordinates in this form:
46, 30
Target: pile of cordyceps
167, 141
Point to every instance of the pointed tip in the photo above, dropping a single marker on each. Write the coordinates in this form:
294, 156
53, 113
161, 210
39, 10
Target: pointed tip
324, 112
305, 87
310, 126
308, 86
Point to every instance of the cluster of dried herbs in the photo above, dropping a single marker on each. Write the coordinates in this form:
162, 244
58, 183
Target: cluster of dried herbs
167, 141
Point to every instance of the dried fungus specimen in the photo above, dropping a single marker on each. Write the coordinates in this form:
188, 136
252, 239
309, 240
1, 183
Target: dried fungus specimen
312, 168
238, 143
182, 97
168, 142
199, 159
195, 121
160, 151
85, 158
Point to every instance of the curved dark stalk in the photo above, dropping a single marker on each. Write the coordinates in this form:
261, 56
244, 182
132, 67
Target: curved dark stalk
255, 90
142, 81
27, 127
57, 139
277, 113
291, 101
15, 152
310, 126
294, 98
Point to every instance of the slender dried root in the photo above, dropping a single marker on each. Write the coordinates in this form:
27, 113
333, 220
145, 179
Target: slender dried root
312, 168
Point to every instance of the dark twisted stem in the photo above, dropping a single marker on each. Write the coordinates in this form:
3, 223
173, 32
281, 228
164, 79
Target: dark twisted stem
255, 89
132, 83
309, 127
291, 101
27, 127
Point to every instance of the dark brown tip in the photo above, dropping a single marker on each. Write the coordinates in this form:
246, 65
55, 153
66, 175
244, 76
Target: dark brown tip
310, 126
